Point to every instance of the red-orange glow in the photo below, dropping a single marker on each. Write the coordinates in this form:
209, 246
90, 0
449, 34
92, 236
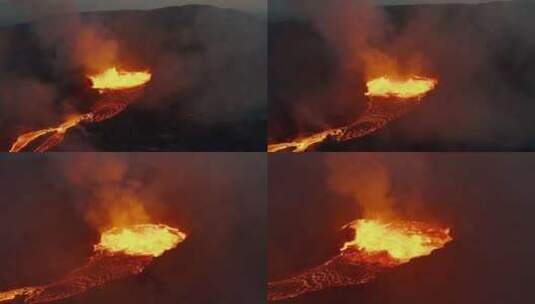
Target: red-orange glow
121, 252
411, 87
146, 239
114, 79
400, 240
110, 81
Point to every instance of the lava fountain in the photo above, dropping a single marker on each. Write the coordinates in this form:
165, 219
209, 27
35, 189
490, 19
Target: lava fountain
388, 99
376, 247
117, 84
121, 252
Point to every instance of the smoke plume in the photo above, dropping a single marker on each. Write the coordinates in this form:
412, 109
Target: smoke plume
106, 195
377, 184
75, 42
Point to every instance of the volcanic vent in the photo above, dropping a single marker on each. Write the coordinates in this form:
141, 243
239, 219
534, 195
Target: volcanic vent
186, 63
121, 252
117, 88
377, 247
388, 99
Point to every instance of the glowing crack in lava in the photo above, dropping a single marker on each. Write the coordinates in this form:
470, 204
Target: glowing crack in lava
388, 99
376, 247
119, 89
121, 252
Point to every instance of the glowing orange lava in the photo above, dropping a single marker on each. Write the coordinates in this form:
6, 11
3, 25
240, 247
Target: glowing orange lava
114, 79
379, 112
6, 297
377, 247
146, 239
112, 82
400, 240
412, 87
301, 144
121, 252
58, 133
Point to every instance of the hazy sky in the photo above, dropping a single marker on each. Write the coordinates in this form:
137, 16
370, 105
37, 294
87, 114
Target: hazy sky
283, 8
432, 1
8, 15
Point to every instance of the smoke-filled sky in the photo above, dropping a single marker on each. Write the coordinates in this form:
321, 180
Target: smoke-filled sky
8, 15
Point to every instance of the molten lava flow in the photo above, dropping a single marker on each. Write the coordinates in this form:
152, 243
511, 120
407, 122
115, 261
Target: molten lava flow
401, 241
303, 143
121, 252
393, 99
120, 91
151, 240
377, 247
58, 133
412, 87
113, 79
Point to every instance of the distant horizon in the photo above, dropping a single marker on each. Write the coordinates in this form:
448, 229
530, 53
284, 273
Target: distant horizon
10, 15
416, 2
280, 9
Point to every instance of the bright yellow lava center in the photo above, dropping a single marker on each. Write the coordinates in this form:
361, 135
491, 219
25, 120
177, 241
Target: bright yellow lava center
413, 87
146, 239
402, 241
113, 79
